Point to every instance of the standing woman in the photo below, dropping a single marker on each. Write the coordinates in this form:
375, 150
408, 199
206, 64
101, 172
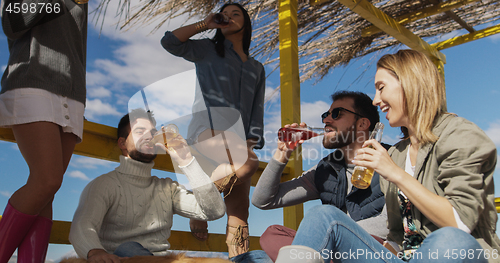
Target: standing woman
437, 181
42, 100
229, 79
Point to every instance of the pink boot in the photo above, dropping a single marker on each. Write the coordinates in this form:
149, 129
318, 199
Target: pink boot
13, 228
34, 246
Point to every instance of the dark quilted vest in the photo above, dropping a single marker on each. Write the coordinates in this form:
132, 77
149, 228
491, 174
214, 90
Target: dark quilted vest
331, 183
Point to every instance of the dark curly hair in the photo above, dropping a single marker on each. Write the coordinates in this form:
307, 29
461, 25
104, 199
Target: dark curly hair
247, 32
124, 124
362, 105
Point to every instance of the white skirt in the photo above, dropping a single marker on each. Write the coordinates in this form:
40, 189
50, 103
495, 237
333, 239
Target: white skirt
26, 105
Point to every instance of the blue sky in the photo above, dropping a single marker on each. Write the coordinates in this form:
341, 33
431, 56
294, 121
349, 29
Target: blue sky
120, 63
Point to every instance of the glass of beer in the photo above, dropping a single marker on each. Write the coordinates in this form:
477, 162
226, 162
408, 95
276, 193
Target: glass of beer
166, 135
362, 176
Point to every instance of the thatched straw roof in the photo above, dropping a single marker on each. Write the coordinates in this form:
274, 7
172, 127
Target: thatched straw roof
329, 34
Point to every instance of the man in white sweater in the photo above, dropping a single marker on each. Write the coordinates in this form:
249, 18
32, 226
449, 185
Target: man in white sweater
129, 212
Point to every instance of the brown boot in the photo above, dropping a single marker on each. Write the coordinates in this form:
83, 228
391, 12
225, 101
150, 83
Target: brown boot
237, 240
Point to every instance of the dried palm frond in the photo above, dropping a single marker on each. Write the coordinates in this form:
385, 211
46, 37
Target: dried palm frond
329, 34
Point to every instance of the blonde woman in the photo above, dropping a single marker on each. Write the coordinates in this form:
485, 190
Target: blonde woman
438, 181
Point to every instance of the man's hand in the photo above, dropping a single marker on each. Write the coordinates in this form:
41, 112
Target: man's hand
285, 149
178, 150
101, 256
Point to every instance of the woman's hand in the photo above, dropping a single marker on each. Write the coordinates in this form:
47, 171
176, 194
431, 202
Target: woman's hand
178, 150
285, 149
375, 156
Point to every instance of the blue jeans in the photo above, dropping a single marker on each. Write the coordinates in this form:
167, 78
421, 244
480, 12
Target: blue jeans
336, 236
130, 249
254, 256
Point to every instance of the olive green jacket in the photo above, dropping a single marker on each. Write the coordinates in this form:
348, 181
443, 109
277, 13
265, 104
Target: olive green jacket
458, 166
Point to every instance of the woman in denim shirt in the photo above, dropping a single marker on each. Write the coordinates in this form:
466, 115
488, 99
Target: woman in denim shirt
231, 92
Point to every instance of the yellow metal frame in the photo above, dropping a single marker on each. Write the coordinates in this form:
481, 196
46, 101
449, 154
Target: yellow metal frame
290, 94
426, 12
467, 38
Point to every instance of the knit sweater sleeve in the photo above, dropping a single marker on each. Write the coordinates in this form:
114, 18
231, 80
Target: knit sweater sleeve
20, 16
94, 202
204, 202
269, 193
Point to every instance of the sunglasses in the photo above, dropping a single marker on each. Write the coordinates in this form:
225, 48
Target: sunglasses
336, 113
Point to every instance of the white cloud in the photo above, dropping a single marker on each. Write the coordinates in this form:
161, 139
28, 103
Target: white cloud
78, 175
140, 59
272, 94
5, 193
168, 98
96, 108
311, 112
494, 132
391, 140
99, 92
89, 163
312, 151
69, 254
96, 78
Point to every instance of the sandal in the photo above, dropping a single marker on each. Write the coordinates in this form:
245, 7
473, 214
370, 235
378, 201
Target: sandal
195, 231
237, 241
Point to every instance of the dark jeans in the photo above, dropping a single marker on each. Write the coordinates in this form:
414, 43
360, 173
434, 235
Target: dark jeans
130, 249
254, 256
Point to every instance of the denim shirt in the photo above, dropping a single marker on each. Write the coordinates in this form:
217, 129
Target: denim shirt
225, 81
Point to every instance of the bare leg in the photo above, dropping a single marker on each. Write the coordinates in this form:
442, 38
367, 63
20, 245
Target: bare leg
227, 148
234, 156
47, 151
237, 204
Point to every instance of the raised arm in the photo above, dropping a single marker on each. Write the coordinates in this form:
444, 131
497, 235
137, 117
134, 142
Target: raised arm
269, 193
186, 32
205, 201
178, 42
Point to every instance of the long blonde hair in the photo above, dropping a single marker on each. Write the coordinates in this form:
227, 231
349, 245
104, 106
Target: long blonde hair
423, 90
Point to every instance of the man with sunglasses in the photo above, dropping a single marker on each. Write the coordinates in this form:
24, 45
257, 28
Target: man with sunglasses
348, 123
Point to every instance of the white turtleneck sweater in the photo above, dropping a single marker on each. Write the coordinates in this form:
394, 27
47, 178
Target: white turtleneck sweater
128, 204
